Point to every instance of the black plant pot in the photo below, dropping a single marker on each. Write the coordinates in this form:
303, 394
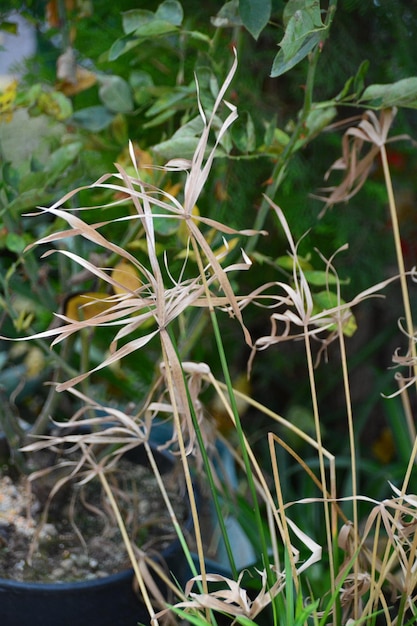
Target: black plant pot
109, 601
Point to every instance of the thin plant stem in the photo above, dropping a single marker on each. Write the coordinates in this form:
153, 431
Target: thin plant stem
128, 546
408, 411
389, 558
183, 456
237, 422
348, 403
210, 478
400, 257
170, 509
331, 526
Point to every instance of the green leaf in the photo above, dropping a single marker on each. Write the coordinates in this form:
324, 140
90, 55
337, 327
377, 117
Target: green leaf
282, 65
317, 119
28, 200
177, 146
155, 28
9, 27
346, 89
170, 99
320, 278
304, 30
59, 160
243, 134
403, 93
359, 83
142, 85
115, 94
355, 84
121, 46
255, 15
136, 18
93, 118
170, 11
15, 243
145, 24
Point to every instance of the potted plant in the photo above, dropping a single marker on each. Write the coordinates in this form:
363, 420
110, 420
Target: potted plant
142, 298
327, 552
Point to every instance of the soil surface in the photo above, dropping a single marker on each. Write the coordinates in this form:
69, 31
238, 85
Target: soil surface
79, 539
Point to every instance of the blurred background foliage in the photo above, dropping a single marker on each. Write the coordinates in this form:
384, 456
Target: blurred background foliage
104, 73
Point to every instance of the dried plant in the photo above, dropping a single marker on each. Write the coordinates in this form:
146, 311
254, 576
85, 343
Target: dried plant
378, 563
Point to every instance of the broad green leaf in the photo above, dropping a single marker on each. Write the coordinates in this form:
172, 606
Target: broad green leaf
115, 94
59, 160
121, 46
176, 146
29, 199
136, 18
33, 183
93, 118
183, 142
36, 181
140, 79
403, 93
143, 24
304, 30
142, 85
15, 243
170, 11
317, 119
154, 29
302, 18
255, 15
282, 65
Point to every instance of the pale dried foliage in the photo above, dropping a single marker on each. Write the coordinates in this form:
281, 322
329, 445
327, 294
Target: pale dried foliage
379, 556
361, 145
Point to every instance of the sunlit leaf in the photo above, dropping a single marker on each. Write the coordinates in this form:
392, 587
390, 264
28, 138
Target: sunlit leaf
7, 99
84, 306
8, 27
127, 276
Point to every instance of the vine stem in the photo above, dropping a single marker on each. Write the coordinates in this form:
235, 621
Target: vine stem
400, 258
